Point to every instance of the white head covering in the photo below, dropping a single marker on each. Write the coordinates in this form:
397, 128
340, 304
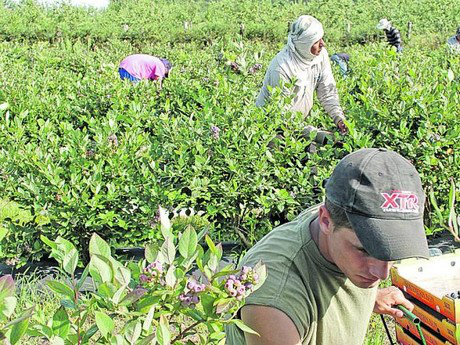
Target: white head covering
304, 32
384, 24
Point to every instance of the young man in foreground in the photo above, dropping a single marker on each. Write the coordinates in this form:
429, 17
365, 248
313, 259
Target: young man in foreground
324, 267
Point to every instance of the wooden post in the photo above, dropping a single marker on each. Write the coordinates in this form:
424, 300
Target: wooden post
409, 29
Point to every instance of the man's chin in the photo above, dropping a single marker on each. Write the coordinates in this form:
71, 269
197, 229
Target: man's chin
364, 283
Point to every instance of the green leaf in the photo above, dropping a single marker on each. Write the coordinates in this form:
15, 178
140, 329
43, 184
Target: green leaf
3, 232
213, 263
207, 301
64, 245
100, 269
57, 341
147, 302
82, 279
104, 323
97, 246
6, 286
434, 204
165, 223
202, 233
117, 339
18, 330
188, 242
452, 214
149, 340
7, 307
69, 304
167, 251
133, 296
211, 245
223, 305
261, 271
122, 275
27, 314
48, 242
148, 319
61, 323
195, 314
133, 331
224, 272
89, 333
61, 288
171, 276
163, 333
151, 252
70, 261
243, 327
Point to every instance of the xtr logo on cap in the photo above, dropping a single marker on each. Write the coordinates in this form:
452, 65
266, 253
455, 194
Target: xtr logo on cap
400, 201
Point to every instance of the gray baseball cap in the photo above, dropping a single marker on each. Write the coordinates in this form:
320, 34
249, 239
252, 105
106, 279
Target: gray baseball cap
383, 198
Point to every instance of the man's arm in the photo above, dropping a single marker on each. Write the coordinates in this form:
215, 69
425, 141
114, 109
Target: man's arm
273, 326
329, 97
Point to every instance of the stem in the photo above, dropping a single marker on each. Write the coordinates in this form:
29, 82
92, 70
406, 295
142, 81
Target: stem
183, 333
243, 238
75, 299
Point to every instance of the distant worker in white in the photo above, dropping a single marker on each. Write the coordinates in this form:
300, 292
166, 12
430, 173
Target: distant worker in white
393, 34
305, 62
454, 42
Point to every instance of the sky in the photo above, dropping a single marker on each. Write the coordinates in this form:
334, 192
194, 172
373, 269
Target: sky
87, 3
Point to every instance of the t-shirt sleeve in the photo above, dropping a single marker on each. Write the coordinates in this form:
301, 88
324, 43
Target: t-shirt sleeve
286, 292
158, 71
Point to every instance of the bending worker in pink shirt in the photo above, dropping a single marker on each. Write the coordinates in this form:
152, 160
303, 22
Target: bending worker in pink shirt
142, 66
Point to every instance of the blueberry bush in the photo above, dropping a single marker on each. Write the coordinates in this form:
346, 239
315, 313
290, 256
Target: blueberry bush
82, 152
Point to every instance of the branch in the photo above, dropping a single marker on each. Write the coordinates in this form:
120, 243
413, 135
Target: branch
182, 334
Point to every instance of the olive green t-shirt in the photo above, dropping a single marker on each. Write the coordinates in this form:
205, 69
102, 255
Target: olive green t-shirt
325, 306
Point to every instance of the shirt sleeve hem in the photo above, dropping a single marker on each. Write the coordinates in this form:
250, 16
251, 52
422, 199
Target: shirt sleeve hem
292, 316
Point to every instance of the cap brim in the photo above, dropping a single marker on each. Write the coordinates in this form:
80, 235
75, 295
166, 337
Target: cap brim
391, 240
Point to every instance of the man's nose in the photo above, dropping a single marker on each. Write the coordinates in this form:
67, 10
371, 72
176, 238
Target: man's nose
322, 43
381, 269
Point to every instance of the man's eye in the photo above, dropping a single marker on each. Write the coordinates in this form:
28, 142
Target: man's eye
364, 251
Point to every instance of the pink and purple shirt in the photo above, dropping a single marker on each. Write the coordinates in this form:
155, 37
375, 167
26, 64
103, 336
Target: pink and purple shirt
143, 66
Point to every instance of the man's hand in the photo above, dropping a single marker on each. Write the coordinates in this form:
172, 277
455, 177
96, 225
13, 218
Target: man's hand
389, 297
342, 127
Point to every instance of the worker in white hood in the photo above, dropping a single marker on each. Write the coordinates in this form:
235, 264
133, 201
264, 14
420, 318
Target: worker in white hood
305, 61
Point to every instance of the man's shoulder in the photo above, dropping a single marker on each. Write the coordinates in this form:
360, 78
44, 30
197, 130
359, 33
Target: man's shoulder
282, 244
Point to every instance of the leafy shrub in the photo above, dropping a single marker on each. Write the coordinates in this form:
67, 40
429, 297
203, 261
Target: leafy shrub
90, 153
156, 301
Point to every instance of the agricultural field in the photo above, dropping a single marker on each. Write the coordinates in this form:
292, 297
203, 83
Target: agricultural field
82, 152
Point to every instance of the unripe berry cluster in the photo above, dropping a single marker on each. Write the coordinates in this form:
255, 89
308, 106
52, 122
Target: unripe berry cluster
153, 273
191, 298
241, 285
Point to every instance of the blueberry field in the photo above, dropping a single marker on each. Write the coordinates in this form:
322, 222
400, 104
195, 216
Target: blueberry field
89, 162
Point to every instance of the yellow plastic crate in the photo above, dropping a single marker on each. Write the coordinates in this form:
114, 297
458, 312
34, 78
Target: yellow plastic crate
431, 282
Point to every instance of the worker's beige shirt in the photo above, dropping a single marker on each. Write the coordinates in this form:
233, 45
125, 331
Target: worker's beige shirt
317, 76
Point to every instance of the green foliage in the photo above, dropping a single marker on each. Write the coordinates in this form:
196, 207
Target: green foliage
82, 152
159, 302
11, 328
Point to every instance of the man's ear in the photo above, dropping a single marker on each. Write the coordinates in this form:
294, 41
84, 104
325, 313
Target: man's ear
325, 222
